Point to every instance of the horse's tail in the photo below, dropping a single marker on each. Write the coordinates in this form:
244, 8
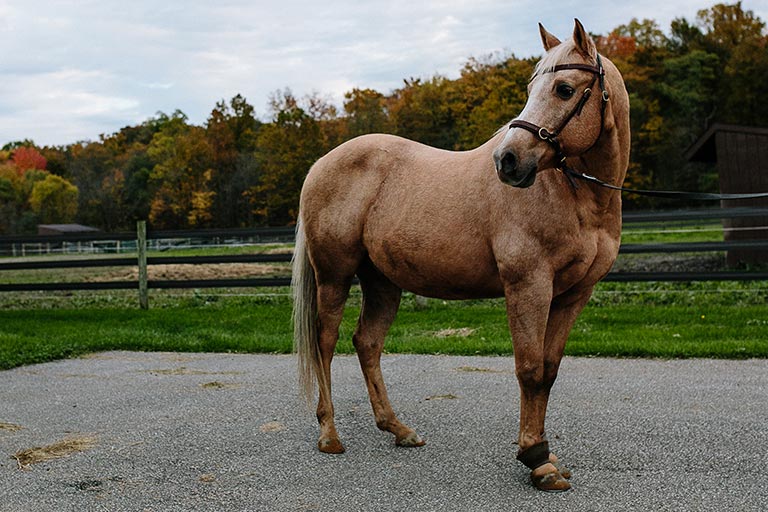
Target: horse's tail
305, 335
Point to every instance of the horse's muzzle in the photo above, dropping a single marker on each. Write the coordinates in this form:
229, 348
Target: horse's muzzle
512, 172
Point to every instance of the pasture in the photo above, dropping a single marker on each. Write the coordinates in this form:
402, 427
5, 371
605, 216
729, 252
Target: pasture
667, 320
636, 319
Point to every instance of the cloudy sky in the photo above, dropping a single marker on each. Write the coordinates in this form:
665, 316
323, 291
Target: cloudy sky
72, 70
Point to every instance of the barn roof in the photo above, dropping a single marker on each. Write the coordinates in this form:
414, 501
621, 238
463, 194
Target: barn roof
66, 228
704, 149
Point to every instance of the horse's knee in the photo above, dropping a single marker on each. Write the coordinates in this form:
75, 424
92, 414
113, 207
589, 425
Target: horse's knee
530, 374
537, 376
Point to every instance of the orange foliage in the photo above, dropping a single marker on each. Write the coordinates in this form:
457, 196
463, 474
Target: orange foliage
27, 158
615, 45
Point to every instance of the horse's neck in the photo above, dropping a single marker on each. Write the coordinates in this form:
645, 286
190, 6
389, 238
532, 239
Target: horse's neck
607, 161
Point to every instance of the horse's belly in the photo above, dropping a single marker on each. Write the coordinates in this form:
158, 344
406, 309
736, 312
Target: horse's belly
455, 275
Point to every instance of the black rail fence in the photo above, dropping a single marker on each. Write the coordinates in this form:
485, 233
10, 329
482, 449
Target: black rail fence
12, 247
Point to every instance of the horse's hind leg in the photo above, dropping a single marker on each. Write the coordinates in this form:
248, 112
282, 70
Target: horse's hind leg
381, 299
331, 297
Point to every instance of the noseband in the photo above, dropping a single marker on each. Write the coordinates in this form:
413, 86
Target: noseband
542, 133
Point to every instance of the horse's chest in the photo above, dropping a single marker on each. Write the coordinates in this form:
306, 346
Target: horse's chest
586, 263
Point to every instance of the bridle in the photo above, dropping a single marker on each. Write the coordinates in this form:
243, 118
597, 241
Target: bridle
550, 138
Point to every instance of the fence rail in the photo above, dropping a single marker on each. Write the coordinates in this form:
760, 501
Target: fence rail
287, 233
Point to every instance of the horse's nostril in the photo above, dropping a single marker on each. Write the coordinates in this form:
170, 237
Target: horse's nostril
509, 164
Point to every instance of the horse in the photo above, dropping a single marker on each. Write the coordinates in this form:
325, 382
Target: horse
495, 221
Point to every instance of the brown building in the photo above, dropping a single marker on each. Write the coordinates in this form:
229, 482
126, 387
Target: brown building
63, 229
741, 155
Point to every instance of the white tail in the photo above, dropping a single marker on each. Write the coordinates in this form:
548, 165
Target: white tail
305, 336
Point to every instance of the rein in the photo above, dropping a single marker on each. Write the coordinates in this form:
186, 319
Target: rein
572, 174
551, 138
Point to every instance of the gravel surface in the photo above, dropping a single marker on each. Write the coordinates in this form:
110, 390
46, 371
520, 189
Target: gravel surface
228, 432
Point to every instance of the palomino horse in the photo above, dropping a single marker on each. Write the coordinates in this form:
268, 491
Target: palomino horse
404, 216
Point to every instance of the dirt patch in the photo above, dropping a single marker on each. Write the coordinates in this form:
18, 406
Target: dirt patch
219, 385
10, 427
462, 332
63, 448
476, 369
442, 397
189, 272
272, 426
183, 370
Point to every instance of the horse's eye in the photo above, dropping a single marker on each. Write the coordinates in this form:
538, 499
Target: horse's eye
565, 91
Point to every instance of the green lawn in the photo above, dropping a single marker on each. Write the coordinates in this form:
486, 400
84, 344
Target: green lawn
666, 320
689, 231
720, 320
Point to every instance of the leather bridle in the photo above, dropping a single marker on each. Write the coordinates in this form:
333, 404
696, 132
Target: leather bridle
551, 137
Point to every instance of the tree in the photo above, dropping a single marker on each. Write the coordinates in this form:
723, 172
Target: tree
54, 200
287, 148
725, 27
420, 110
488, 94
231, 131
181, 175
738, 38
26, 158
366, 112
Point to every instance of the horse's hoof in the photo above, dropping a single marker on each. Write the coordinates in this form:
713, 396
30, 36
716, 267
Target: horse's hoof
330, 445
564, 471
412, 440
551, 482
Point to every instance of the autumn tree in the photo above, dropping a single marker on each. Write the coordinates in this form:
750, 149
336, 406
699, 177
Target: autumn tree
54, 200
366, 112
489, 93
231, 131
181, 176
286, 149
26, 158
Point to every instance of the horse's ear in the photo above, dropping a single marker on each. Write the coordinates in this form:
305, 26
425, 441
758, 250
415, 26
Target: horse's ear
548, 40
584, 43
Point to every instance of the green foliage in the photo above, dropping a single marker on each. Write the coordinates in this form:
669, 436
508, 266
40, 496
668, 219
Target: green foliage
54, 199
237, 170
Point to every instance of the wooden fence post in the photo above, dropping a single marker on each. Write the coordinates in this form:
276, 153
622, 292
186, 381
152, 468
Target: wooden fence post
141, 246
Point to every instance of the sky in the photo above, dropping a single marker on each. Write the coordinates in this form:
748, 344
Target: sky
73, 70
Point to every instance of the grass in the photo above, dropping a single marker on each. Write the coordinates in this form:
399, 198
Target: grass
666, 320
686, 231
718, 320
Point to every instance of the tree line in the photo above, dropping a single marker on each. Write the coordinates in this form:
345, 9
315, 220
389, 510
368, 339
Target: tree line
237, 170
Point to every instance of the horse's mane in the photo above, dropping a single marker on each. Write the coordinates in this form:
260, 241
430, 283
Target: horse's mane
555, 56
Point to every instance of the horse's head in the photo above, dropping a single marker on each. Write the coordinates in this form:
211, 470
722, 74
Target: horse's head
565, 114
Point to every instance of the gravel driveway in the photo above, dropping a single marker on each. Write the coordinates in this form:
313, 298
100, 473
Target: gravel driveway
217, 432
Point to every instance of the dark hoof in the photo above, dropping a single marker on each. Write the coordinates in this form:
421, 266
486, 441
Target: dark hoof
551, 482
412, 440
332, 445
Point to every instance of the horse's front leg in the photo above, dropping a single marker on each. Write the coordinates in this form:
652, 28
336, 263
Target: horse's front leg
537, 325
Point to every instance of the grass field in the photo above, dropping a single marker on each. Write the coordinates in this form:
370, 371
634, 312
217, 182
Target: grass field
666, 320
720, 320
